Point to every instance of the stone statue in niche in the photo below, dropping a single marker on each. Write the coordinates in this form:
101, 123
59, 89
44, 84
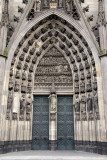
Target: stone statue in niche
82, 87
25, 66
23, 75
29, 77
22, 104
77, 104
89, 87
77, 116
81, 67
21, 117
94, 72
68, 5
46, 3
22, 56
87, 64
92, 61
29, 87
11, 71
96, 102
23, 88
8, 115
89, 103
83, 104
10, 100
14, 116
31, 68
29, 102
13, 61
84, 56
95, 84
17, 86
11, 84
19, 65
76, 77
17, 75
78, 58
88, 74
82, 76
83, 116
28, 59
75, 68
60, 3
34, 60
28, 117
76, 88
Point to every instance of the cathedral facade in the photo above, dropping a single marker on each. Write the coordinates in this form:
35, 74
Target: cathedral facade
53, 75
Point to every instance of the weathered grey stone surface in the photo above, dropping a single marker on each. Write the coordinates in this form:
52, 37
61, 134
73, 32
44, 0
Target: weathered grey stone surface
28, 32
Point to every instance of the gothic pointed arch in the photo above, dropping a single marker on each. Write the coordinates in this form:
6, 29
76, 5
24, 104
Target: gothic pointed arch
53, 31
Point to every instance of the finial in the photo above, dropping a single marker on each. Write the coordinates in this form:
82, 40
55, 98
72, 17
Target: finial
53, 88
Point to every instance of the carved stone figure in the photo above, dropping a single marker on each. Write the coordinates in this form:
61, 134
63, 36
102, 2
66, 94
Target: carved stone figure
82, 76
95, 84
14, 116
77, 104
60, 3
75, 68
21, 117
31, 68
82, 87
87, 66
81, 67
96, 102
11, 84
23, 88
76, 77
28, 117
11, 72
84, 56
19, 65
94, 72
83, 104
88, 86
17, 75
22, 56
25, 66
89, 103
29, 101
78, 58
28, 59
76, 88
17, 86
23, 75
10, 100
88, 74
46, 3
22, 104
68, 5
29, 77
29, 87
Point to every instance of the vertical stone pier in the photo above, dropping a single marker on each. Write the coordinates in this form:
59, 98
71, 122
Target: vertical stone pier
53, 120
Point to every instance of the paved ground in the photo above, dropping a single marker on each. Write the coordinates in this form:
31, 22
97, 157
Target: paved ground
52, 155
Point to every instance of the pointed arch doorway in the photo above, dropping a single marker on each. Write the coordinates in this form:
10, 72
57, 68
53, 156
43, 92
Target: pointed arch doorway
53, 128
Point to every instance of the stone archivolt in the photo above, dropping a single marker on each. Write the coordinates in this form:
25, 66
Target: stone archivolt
50, 51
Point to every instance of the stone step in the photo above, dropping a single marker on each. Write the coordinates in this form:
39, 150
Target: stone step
52, 155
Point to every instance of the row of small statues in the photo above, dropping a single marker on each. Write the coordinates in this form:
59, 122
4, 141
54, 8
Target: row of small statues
88, 103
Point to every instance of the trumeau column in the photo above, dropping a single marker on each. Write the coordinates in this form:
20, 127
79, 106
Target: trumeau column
53, 120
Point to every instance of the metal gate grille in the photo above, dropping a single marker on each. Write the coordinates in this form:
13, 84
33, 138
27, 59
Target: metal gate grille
40, 132
65, 124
